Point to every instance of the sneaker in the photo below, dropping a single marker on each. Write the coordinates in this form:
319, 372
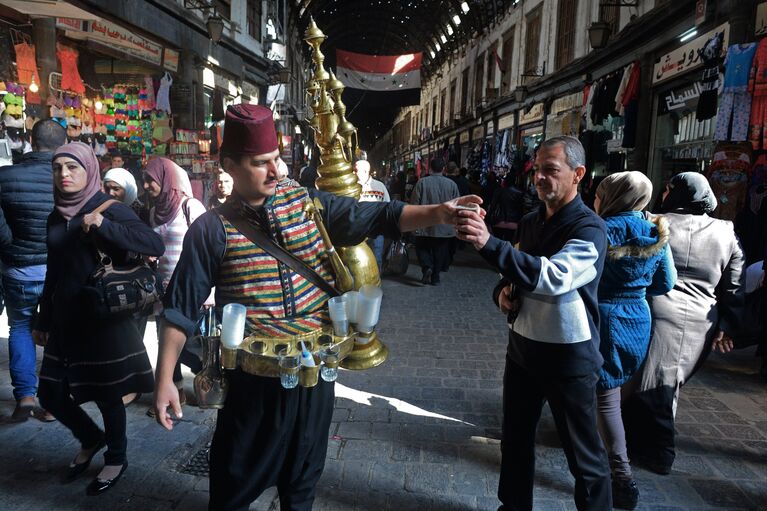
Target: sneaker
625, 494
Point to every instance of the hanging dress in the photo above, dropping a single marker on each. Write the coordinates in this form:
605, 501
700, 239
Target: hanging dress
163, 94
70, 76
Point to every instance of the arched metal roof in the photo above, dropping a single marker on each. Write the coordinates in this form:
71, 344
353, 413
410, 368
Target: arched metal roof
392, 27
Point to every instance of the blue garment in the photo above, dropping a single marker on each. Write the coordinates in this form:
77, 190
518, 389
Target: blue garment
26, 273
738, 66
21, 299
638, 262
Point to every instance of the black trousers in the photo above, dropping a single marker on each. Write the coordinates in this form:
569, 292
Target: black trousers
573, 404
266, 436
648, 417
54, 397
433, 254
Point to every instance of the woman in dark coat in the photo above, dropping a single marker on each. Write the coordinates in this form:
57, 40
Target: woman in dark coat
638, 264
89, 359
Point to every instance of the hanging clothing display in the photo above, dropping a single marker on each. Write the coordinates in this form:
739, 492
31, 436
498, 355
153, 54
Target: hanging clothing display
70, 76
26, 63
728, 177
735, 104
711, 55
758, 87
630, 105
163, 94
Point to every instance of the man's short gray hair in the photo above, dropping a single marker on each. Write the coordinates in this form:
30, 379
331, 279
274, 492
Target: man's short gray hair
575, 155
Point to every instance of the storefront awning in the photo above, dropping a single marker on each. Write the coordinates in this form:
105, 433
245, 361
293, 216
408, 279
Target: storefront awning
48, 9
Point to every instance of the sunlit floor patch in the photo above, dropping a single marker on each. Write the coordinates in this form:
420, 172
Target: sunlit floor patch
365, 398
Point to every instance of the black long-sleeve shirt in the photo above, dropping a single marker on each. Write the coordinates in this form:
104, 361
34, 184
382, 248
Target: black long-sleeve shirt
348, 223
556, 272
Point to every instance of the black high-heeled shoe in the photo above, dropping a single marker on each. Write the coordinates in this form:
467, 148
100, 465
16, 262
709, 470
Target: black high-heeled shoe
99, 486
75, 469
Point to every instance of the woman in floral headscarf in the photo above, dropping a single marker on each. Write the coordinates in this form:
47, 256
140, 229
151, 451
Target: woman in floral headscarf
88, 359
174, 209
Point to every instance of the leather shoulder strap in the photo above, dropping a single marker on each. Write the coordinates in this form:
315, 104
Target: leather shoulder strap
275, 250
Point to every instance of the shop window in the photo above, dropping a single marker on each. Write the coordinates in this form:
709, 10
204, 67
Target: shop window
434, 112
492, 64
478, 81
442, 106
254, 19
566, 32
224, 8
464, 90
507, 53
612, 15
532, 41
451, 105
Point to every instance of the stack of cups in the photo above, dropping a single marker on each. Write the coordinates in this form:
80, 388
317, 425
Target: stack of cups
352, 298
368, 308
339, 315
233, 325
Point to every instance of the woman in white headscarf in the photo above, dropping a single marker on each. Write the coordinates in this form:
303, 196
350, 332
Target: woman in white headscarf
121, 185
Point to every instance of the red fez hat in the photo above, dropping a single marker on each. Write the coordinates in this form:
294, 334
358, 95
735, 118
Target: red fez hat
249, 129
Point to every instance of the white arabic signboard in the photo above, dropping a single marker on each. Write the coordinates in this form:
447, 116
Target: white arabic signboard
464, 138
761, 19
535, 114
686, 57
476, 133
506, 122
681, 98
122, 39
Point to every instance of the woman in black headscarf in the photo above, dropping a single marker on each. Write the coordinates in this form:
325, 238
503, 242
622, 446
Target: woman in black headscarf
698, 314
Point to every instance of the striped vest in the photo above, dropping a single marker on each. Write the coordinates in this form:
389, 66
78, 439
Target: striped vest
280, 302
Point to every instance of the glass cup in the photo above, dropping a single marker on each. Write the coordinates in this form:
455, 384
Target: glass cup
351, 305
368, 308
290, 364
233, 325
338, 315
329, 354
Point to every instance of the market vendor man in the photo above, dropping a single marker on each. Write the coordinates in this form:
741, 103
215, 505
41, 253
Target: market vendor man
267, 435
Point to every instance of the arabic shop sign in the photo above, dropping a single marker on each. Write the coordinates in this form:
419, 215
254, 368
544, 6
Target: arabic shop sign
681, 98
761, 19
686, 57
464, 138
121, 39
70, 24
170, 61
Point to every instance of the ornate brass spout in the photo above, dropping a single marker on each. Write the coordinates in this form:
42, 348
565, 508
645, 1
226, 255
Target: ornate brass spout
336, 140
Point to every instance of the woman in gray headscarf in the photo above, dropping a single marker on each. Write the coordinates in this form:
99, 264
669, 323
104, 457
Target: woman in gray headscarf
697, 315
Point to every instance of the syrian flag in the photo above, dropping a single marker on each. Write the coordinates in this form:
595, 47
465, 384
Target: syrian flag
387, 80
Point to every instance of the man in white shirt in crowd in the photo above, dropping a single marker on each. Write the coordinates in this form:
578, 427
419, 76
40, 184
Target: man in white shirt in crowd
373, 190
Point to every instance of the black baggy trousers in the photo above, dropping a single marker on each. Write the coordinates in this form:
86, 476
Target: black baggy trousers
572, 400
265, 436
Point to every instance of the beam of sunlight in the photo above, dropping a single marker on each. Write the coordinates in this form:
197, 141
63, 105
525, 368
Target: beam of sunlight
364, 398
402, 61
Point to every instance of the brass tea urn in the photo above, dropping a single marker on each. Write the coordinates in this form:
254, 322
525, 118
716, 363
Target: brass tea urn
336, 140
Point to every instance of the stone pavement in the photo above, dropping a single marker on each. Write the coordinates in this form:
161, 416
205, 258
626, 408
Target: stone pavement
418, 433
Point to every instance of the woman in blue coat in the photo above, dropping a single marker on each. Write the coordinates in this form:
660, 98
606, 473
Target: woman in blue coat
638, 263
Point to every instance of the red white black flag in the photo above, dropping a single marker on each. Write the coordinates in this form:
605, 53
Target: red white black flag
392, 79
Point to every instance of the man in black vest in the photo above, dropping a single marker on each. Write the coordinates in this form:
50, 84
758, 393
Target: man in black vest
26, 200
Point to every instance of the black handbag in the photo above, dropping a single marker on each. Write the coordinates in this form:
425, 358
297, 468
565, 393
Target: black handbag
115, 291
397, 258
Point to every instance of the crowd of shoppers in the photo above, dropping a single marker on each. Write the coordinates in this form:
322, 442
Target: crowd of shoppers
611, 310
